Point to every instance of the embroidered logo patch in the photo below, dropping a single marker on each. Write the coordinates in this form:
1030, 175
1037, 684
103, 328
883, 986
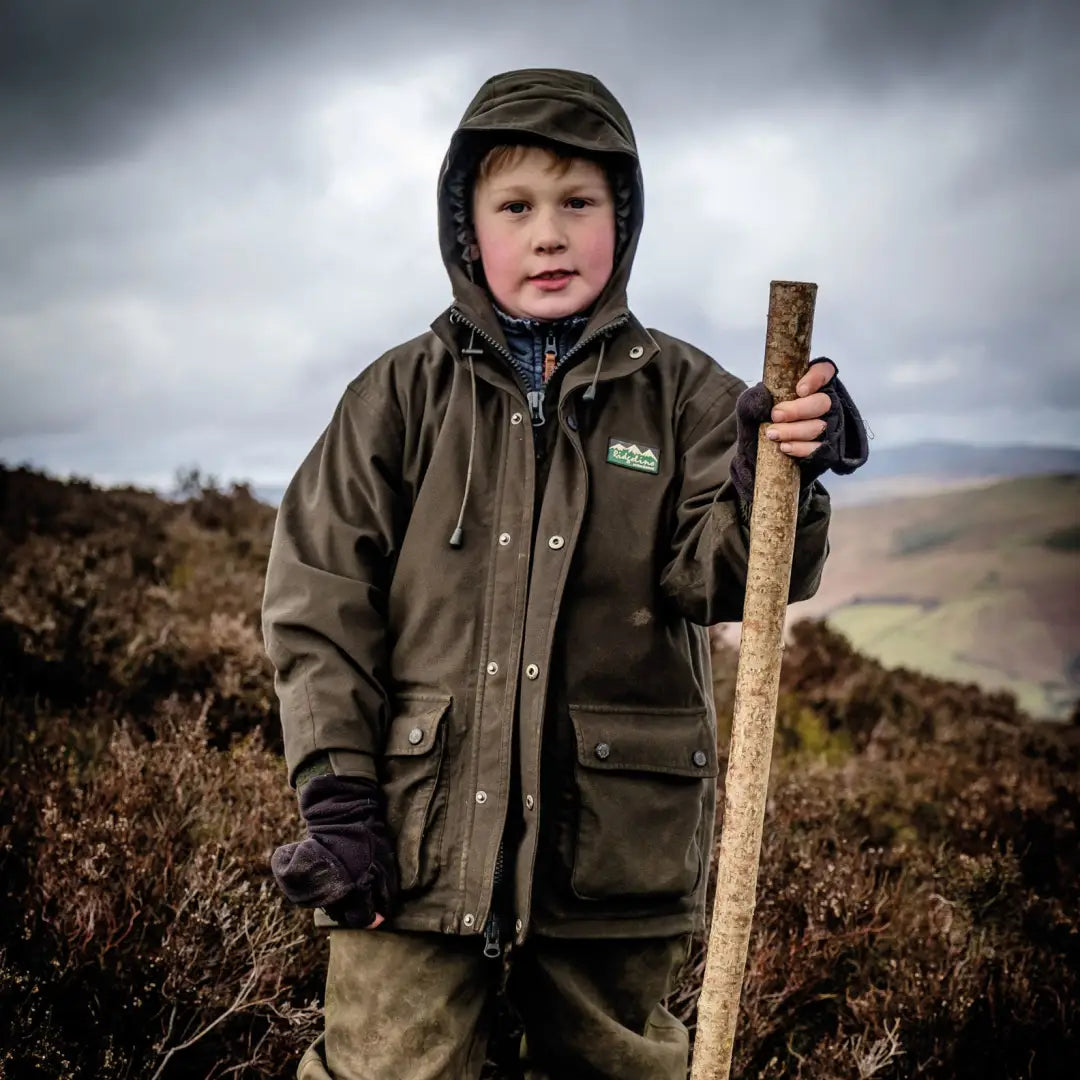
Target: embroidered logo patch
633, 456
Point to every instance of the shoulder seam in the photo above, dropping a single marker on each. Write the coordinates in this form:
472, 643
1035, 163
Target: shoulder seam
361, 396
730, 382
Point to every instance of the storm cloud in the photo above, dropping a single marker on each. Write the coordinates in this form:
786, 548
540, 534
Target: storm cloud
212, 215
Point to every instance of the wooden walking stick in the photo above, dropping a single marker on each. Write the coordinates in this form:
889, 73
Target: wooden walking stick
757, 681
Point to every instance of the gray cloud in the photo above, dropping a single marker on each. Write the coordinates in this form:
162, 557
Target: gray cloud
212, 215
81, 80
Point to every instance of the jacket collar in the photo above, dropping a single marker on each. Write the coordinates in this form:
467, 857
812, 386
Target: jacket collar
629, 347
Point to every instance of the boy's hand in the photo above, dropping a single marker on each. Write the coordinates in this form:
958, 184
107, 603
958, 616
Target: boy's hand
798, 424
346, 865
821, 429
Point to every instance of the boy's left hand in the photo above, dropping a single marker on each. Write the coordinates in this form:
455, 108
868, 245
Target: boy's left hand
820, 428
798, 425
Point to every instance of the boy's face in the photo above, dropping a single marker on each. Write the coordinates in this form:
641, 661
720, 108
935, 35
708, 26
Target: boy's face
547, 242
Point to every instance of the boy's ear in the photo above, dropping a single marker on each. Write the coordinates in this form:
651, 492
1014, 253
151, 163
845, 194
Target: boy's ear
474, 253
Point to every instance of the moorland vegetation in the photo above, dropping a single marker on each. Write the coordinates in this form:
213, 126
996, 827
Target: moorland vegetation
919, 911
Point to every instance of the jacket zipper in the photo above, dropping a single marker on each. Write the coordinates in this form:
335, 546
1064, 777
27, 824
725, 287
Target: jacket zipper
457, 316
536, 407
601, 331
535, 403
536, 398
493, 926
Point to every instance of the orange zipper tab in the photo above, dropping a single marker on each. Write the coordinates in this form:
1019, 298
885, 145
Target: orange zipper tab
551, 357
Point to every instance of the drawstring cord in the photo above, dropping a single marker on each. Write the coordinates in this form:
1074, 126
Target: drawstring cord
457, 538
590, 393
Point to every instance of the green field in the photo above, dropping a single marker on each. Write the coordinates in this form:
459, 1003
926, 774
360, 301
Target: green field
975, 585
907, 635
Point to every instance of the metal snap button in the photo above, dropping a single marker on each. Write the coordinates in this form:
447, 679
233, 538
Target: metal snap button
493, 668
481, 797
603, 751
636, 351
504, 539
516, 419
469, 919
532, 671
556, 542
530, 802
700, 758
416, 736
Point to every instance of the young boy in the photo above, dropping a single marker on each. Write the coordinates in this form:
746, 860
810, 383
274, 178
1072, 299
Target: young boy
486, 604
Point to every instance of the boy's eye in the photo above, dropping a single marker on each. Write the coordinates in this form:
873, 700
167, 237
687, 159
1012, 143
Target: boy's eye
577, 203
516, 207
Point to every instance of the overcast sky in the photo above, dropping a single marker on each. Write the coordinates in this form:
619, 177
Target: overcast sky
213, 213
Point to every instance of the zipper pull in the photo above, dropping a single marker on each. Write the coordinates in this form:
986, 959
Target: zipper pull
551, 356
536, 406
492, 938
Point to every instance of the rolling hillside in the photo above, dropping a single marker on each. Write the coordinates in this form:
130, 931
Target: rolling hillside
978, 584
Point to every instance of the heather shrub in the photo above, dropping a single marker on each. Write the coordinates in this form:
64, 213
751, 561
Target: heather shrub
119, 597
919, 886
159, 941
918, 901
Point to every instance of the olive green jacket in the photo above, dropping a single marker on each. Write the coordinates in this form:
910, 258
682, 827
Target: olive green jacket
548, 679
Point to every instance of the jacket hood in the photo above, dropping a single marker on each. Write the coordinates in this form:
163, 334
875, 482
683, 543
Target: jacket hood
570, 111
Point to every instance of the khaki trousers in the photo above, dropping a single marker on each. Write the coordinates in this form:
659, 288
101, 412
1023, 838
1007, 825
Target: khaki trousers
404, 1006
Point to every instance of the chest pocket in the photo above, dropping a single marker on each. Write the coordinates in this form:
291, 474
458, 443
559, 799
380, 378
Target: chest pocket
644, 779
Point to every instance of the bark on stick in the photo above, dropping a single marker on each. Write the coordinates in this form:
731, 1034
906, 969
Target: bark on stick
772, 542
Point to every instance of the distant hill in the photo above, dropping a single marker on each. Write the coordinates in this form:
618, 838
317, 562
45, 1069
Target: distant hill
921, 467
969, 460
977, 584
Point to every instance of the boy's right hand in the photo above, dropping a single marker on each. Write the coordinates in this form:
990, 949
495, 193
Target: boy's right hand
346, 864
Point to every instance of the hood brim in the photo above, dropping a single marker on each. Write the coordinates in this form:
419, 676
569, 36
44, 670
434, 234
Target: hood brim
569, 112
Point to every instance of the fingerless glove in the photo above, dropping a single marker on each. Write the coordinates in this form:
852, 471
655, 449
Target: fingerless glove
346, 864
844, 443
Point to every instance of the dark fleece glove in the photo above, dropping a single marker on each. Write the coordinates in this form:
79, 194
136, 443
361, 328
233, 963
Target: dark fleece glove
844, 443
346, 864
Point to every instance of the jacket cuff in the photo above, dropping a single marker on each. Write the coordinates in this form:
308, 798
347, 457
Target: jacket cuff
335, 763
354, 763
316, 765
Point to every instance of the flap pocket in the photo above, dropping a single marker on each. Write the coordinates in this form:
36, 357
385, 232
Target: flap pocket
415, 726
645, 802
677, 742
410, 768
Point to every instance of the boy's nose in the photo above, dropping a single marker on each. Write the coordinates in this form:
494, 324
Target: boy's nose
549, 247
548, 236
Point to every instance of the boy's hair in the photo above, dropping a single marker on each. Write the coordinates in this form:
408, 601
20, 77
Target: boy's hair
507, 155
